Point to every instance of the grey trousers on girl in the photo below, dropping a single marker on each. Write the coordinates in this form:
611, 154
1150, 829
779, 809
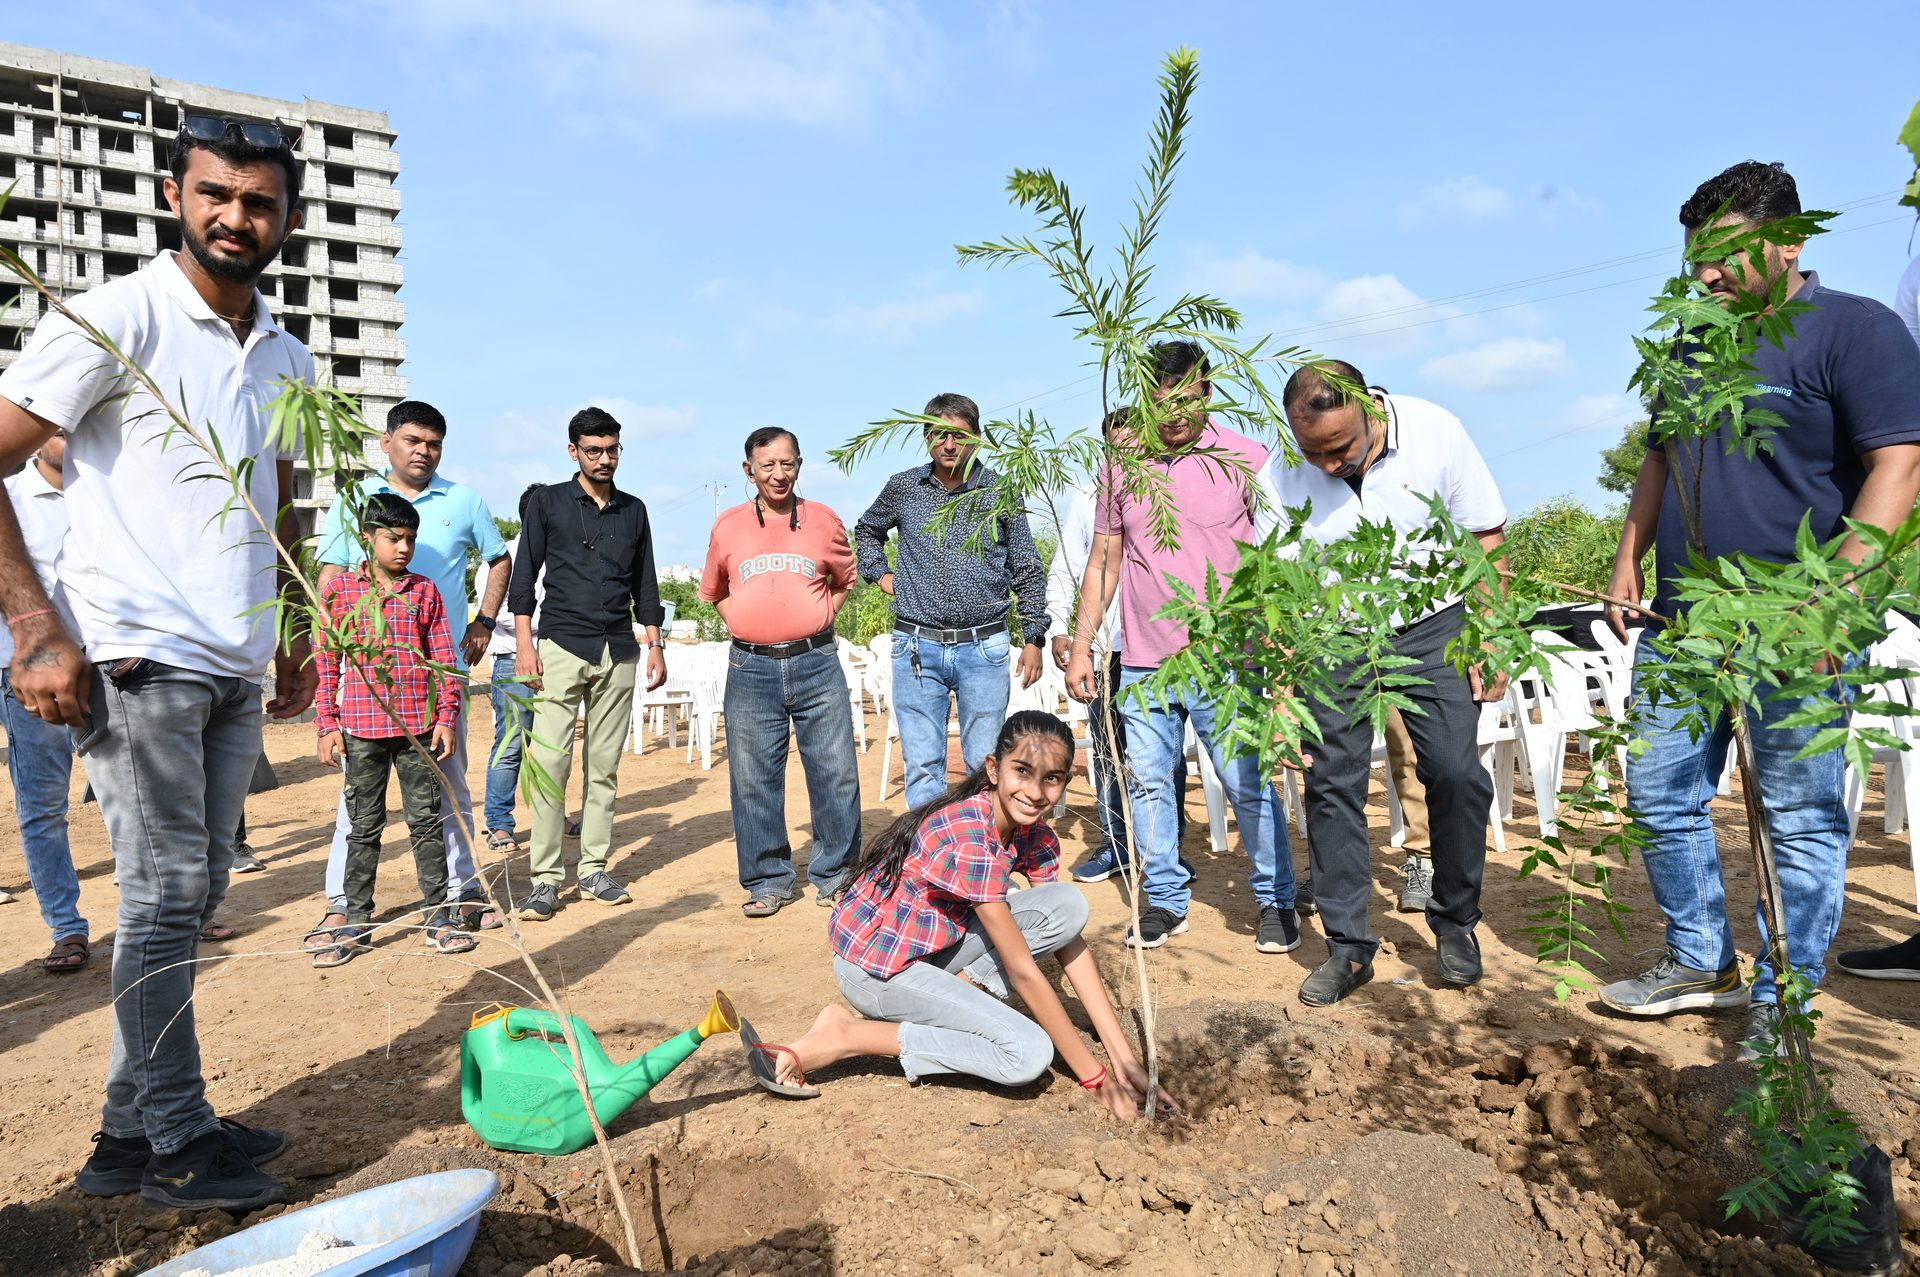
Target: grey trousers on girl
950, 1026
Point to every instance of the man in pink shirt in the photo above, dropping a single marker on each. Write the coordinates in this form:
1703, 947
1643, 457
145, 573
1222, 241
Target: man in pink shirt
1209, 478
778, 569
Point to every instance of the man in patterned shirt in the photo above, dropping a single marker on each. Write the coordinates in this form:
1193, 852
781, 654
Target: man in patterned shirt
389, 696
952, 595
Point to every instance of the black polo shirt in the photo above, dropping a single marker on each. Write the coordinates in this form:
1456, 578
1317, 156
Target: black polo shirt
599, 570
1846, 383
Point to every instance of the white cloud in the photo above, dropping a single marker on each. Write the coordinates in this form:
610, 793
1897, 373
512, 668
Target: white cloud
1472, 199
1509, 363
899, 321
1610, 413
1255, 275
1465, 199
1377, 315
895, 320
816, 62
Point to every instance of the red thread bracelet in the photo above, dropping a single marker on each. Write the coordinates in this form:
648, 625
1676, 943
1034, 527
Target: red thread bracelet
1095, 1082
28, 616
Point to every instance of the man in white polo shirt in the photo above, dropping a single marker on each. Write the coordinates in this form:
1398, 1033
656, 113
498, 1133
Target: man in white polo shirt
168, 585
1383, 468
453, 520
40, 753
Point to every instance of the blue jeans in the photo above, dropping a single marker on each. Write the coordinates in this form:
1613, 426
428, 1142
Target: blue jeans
512, 720
1109, 790
1669, 788
40, 765
171, 775
973, 673
950, 1026
1156, 735
804, 699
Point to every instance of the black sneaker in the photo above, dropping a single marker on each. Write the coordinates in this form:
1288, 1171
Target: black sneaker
116, 1165
1156, 924
1894, 962
1418, 893
1279, 930
1303, 903
1672, 986
603, 888
541, 903
245, 862
1333, 980
1457, 958
1763, 1026
210, 1173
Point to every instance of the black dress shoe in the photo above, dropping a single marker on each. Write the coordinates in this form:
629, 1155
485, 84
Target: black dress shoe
1459, 958
1333, 980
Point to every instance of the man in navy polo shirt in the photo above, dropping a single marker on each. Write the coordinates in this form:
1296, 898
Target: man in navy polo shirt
1847, 386
453, 520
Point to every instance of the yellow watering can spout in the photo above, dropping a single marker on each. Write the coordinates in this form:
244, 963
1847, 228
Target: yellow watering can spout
721, 1017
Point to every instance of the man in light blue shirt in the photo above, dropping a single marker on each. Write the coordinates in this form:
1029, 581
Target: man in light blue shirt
453, 520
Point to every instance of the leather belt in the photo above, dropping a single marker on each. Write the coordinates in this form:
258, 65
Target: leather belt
951, 636
795, 647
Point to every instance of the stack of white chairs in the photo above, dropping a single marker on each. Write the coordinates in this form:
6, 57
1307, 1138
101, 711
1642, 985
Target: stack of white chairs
1902, 767
706, 681
880, 672
853, 665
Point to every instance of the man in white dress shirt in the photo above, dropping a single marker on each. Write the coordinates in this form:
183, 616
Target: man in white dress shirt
1383, 466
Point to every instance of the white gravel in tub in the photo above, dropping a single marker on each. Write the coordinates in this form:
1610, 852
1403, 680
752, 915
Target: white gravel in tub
316, 1253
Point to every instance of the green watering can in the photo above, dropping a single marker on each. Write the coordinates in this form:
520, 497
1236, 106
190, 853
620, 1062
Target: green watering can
516, 1076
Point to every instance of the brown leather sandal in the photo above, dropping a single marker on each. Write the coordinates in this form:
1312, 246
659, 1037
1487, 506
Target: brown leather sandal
70, 953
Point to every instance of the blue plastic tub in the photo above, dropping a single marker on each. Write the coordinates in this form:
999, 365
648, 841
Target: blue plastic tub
425, 1226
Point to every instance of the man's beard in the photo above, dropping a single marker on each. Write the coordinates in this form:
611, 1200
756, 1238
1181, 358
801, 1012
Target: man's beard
238, 270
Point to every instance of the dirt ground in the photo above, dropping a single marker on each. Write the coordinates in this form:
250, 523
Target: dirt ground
1411, 1130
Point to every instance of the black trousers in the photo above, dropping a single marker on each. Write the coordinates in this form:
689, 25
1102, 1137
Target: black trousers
1445, 729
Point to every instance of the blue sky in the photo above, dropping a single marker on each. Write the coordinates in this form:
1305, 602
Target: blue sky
714, 216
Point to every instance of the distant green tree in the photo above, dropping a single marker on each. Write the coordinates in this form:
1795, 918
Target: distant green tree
1562, 540
1620, 464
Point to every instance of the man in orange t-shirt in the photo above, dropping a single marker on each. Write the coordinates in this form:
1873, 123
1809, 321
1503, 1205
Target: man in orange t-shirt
778, 569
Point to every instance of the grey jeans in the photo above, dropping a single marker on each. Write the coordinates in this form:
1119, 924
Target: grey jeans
171, 774
950, 1026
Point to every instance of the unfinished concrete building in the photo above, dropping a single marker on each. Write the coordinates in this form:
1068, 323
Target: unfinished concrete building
84, 145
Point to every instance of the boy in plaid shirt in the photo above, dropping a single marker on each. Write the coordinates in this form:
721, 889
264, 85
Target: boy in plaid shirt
373, 713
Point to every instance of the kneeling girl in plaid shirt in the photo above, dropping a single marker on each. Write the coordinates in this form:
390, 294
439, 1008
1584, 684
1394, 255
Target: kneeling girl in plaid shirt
373, 700
927, 941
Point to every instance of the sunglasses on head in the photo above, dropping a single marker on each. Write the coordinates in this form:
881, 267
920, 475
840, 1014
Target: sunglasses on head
214, 128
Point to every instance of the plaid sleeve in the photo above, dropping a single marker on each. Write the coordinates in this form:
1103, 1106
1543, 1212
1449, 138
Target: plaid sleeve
326, 662
1039, 855
965, 861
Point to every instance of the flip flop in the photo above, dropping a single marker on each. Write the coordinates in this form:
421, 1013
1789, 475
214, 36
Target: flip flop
70, 953
760, 1062
218, 932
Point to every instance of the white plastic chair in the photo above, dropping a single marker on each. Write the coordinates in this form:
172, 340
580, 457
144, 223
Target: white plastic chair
1499, 743
856, 680
1902, 767
706, 682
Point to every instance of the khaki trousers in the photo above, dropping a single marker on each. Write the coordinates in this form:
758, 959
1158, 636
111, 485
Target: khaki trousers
606, 688
1413, 798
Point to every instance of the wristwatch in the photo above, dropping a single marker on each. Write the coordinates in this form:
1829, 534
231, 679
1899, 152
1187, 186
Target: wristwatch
486, 622
661, 644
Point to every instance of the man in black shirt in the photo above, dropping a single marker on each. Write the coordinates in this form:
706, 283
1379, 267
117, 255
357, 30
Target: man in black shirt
594, 544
